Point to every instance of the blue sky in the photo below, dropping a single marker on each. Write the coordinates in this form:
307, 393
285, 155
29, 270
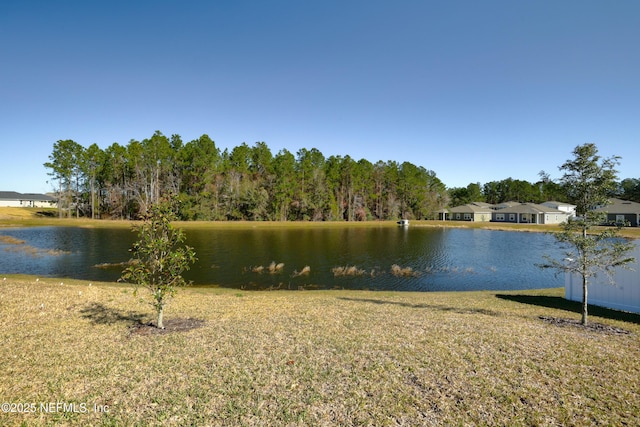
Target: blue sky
476, 91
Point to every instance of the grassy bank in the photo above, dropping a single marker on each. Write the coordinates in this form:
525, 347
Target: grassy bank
32, 217
312, 358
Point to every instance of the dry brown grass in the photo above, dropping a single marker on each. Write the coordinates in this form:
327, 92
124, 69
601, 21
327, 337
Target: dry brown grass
313, 358
7, 213
347, 270
272, 268
275, 268
36, 252
18, 245
398, 271
33, 217
10, 240
304, 272
26, 217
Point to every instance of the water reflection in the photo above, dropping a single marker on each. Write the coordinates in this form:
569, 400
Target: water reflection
383, 258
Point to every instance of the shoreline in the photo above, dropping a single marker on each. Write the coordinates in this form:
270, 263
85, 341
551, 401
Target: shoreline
211, 287
7, 221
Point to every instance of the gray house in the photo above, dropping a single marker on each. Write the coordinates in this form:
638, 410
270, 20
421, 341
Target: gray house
515, 212
621, 211
529, 213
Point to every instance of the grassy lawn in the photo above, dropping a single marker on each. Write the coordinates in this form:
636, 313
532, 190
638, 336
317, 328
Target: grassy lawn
312, 358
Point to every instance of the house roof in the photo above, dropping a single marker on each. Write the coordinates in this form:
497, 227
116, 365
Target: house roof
618, 206
553, 203
9, 195
470, 208
530, 208
483, 204
510, 207
13, 195
507, 204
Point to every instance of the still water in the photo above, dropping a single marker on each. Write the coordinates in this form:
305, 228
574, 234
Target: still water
384, 258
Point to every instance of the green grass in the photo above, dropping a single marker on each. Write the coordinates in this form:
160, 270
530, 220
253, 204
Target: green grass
314, 358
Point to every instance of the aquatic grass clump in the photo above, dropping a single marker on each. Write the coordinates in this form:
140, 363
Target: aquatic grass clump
272, 268
107, 265
20, 246
275, 268
304, 272
10, 240
398, 271
347, 270
35, 252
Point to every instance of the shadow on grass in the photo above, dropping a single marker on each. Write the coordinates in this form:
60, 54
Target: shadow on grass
459, 310
572, 306
101, 315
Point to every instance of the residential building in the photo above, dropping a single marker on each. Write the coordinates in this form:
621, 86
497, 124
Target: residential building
561, 206
476, 211
516, 212
621, 212
28, 200
529, 213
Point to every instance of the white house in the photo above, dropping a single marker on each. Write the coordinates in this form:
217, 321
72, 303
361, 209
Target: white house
564, 207
28, 200
623, 294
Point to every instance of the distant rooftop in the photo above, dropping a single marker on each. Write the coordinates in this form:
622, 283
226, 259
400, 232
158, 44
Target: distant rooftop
13, 195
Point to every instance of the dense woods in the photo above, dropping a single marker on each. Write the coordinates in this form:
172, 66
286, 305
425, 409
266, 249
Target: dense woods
246, 183
251, 183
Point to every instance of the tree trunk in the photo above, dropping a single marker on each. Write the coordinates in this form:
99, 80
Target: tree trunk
60, 202
160, 324
584, 280
584, 300
93, 198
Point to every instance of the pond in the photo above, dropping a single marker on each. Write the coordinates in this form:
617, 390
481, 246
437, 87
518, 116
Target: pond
375, 258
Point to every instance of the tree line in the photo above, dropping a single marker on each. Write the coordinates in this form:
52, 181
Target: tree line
251, 183
245, 183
